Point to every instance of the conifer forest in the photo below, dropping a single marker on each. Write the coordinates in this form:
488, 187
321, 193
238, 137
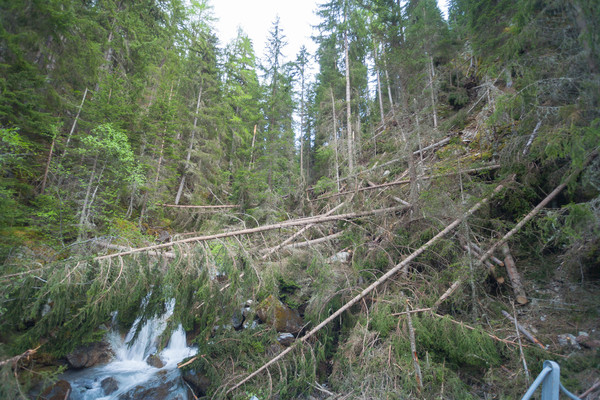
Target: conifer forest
411, 212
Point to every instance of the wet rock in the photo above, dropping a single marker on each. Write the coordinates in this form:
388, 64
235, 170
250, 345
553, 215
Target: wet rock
568, 340
197, 380
109, 385
165, 386
155, 361
59, 391
286, 339
89, 355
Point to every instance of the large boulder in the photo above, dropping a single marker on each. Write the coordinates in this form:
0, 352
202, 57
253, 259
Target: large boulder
90, 354
273, 312
59, 391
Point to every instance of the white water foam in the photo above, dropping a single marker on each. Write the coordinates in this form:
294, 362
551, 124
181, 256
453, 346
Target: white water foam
129, 368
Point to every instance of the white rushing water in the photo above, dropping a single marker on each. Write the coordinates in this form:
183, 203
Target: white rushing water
133, 376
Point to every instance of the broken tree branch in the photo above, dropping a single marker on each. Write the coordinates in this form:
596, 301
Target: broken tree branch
14, 360
300, 232
524, 331
373, 286
413, 350
513, 275
537, 209
286, 224
314, 241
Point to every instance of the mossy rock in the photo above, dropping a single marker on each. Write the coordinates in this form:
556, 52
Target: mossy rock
273, 312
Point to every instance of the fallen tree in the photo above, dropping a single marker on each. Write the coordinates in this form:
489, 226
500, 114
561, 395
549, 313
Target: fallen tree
285, 224
371, 287
407, 180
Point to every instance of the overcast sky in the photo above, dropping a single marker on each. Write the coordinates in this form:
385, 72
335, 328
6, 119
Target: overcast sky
256, 18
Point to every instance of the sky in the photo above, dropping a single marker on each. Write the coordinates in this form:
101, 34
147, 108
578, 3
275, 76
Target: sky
256, 18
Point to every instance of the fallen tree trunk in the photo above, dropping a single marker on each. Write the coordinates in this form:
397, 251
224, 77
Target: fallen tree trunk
126, 248
313, 242
513, 275
295, 235
286, 224
407, 180
524, 331
373, 286
536, 210
198, 207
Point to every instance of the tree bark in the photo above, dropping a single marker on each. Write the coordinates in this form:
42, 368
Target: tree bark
514, 276
524, 331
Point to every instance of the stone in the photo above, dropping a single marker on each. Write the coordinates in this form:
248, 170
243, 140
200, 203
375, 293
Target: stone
286, 339
109, 385
59, 391
197, 380
155, 361
90, 354
568, 340
166, 385
273, 312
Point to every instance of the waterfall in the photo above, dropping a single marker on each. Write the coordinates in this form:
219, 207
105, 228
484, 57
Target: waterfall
129, 375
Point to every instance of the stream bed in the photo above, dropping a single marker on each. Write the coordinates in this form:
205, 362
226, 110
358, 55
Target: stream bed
129, 376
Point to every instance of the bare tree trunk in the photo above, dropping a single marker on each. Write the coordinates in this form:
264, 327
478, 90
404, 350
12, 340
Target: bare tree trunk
537, 208
431, 76
188, 156
74, 123
300, 232
413, 350
335, 141
403, 181
514, 276
298, 222
348, 105
382, 114
251, 165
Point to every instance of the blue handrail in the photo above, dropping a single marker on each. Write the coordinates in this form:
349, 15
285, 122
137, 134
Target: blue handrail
549, 378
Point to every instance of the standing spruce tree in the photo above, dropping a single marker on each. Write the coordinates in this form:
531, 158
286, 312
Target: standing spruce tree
278, 156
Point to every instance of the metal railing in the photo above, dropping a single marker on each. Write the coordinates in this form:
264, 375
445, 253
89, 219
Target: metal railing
549, 378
